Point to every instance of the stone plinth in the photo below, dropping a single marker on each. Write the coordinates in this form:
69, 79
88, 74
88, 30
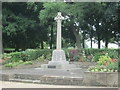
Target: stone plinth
58, 61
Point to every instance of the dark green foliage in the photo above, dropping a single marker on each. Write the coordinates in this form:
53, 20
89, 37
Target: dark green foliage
30, 24
21, 26
27, 55
97, 56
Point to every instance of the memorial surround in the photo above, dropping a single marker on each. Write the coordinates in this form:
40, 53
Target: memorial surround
58, 56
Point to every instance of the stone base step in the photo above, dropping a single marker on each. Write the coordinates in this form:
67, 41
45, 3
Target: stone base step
26, 81
53, 80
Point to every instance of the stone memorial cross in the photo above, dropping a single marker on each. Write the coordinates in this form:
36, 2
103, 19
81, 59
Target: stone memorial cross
59, 19
58, 56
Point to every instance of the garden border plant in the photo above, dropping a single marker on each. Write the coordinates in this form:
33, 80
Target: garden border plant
105, 64
104, 73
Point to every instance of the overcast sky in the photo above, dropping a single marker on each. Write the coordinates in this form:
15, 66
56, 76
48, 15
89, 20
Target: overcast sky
110, 45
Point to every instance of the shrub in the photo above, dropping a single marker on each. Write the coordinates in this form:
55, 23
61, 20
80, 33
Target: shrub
27, 55
97, 56
89, 58
34, 54
113, 53
74, 54
105, 64
9, 65
28, 62
20, 62
11, 57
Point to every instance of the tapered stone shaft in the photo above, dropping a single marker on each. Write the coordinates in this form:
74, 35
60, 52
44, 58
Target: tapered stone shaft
59, 19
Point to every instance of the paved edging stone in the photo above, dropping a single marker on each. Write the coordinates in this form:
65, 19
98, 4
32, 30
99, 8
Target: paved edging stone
56, 80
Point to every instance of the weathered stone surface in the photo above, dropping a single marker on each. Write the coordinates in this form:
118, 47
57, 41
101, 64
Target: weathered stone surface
112, 79
6, 77
61, 77
101, 78
44, 76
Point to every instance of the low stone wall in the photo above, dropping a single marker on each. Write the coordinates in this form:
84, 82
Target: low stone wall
87, 79
100, 78
39, 79
38, 65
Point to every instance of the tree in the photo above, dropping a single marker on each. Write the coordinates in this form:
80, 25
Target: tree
21, 26
30, 24
1, 48
47, 17
102, 18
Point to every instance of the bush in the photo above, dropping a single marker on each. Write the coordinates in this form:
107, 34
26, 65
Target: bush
113, 53
105, 64
9, 65
11, 57
90, 54
27, 55
97, 56
74, 54
28, 62
34, 54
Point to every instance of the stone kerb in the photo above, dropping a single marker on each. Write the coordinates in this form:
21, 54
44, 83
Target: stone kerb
100, 78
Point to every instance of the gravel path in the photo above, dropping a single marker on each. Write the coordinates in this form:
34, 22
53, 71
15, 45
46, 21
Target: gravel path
6, 84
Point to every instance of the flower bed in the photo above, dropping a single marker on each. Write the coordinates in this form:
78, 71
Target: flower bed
105, 73
105, 64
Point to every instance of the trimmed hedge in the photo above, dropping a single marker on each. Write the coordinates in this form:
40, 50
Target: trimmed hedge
71, 54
